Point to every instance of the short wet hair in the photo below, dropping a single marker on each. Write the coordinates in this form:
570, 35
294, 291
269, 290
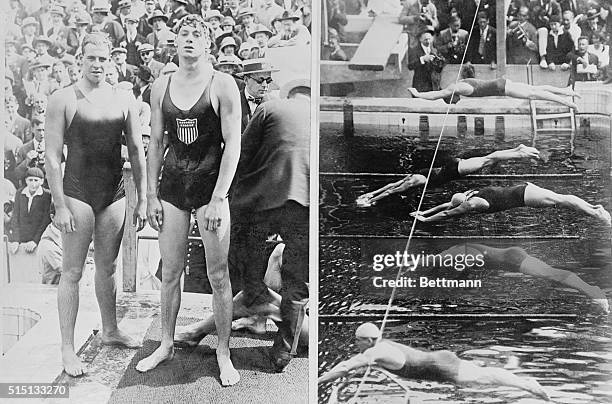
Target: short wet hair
195, 21
96, 39
467, 71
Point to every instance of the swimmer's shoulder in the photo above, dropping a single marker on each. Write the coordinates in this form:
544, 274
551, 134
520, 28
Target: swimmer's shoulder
62, 96
222, 82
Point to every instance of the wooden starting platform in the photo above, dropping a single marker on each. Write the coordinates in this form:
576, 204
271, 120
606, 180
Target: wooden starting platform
382, 44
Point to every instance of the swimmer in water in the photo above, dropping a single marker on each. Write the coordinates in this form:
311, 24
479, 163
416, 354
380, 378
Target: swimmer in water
469, 86
452, 169
497, 199
412, 363
517, 259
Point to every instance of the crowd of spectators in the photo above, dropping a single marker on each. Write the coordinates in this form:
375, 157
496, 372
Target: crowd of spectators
556, 34
43, 54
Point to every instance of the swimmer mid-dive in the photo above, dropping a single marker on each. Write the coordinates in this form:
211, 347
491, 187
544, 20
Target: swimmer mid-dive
517, 259
469, 86
497, 199
451, 170
413, 363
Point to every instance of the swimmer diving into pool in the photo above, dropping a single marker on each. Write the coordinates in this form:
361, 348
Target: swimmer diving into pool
451, 170
517, 259
413, 363
469, 86
497, 199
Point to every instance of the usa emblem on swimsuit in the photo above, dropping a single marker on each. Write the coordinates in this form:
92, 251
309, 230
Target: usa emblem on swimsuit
187, 130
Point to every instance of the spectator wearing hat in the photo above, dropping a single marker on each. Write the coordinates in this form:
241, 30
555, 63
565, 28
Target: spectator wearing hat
291, 34
247, 24
39, 84
521, 39
124, 9
59, 76
261, 35
452, 41
227, 47
232, 9
102, 22
584, 64
541, 13
227, 29
16, 124
43, 17
133, 40
145, 51
160, 33
32, 153
213, 19
244, 51
12, 59
203, 7
144, 28
256, 79
230, 65
125, 71
29, 30
143, 79
559, 45
266, 11
418, 15
179, 10
82, 22
482, 48
58, 34
593, 23
42, 44
421, 60
31, 213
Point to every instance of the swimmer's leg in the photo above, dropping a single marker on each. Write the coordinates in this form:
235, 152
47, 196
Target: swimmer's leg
172, 241
528, 92
537, 197
76, 245
470, 373
475, 164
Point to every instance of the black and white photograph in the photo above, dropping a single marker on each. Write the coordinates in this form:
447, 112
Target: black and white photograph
156, 199
465, 199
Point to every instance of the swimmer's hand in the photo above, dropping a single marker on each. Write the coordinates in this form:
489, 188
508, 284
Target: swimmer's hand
13, 247
212, 213
30, 246
418, 216
63, 220
140, 215
155, 213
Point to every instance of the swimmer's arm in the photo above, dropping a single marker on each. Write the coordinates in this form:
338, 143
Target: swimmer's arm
344, 367
436, 209
230, 112
448, 213
55, 127
155, 153
135, 148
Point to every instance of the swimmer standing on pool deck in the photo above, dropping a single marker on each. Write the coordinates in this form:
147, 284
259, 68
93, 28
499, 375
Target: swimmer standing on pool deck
90, 117
497, 199
413, 363
451, 170
469, 86
200, 109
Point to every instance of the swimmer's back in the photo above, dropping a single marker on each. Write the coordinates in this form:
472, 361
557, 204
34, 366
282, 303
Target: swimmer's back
486, 88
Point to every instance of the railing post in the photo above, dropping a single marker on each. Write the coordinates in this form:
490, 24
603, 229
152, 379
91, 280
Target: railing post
129, 243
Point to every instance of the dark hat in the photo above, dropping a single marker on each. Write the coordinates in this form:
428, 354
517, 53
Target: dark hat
35, 172
124, 4
42, 38
287, 15
251, 66
261, 28
555, 18
83, 19
182, 1
593, 14
228, 41
157, 14
29, 21
245, 11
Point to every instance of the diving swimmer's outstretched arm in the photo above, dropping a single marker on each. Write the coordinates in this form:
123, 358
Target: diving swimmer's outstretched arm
344, 367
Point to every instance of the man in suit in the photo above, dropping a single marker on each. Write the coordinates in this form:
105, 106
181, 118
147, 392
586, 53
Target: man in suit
257, 77
101, 22
144, 28
482, 48
422, 59
133, 40
521, 42
559, 46
32, 153
178, 12
146, 51
159, 37
452, 41
15, 123
31, 213
124, 10
124, 70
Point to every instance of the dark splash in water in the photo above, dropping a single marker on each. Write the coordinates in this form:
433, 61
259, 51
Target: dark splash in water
571, 360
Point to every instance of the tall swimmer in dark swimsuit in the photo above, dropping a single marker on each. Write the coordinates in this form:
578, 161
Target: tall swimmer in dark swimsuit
90, 118
451, 170
497, 199
413, 363
200, 110
469, 86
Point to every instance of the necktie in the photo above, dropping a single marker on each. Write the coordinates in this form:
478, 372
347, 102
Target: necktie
257, 101
481, 44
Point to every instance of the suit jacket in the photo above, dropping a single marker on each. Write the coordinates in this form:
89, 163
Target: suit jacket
538, 12
29, 225
490, 47
21, 128
144, 28
133, 58
176, 16
274, 157
560, 53
244, 105
425, 77
444, 44
129, 73
576, 6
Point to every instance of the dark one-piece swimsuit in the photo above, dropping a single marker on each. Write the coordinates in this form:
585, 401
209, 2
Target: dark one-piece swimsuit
94, 169
191, 166
482, 88
503, 198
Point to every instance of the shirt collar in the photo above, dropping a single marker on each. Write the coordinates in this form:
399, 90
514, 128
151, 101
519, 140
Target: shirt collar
38, 192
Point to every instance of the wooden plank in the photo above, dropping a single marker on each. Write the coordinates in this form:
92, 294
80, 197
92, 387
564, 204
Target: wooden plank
377, 45
129, 243
431, 316
500, 22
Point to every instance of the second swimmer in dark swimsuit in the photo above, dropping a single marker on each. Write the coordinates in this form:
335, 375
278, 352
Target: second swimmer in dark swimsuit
497, 199
411, 363
469, 86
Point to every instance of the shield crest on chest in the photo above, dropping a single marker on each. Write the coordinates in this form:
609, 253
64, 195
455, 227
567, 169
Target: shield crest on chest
187, 130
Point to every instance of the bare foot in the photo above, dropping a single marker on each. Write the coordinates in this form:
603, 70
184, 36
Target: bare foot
119, 338
255, 324
603, 215
160, 355
71, 362
228, 375
603, 304
413, 91
186, 335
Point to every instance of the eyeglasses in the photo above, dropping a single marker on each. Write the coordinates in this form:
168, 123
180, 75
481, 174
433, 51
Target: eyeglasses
145, 52
268, 80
